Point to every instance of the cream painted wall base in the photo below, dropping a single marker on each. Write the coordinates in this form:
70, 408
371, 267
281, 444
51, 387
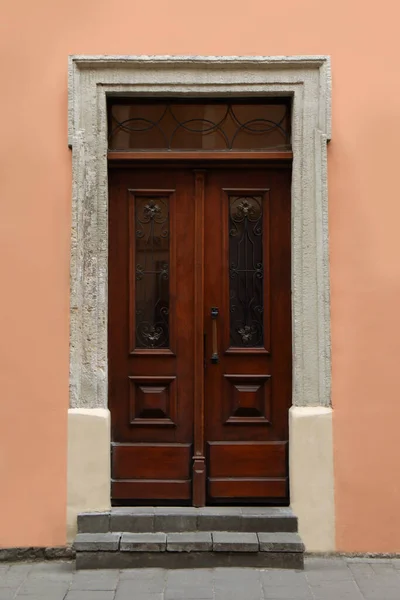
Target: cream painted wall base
311, 470
88, 463
311, 476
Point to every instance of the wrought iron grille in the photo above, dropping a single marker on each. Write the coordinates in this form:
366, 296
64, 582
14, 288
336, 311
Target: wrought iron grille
246, 271
152, 272
212, 125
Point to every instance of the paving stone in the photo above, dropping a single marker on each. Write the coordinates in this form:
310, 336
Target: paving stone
143, 542
189, 592
279, 577
86, 595
95, 542
280, 542
239, 593
41, 596
383, 568
226, 541
189, 542
7, 593
99, 583
316, 574
386, 585
141, 586
337, 590
139, 596
52, 571
133, 520
288, 592
38, 587
361, 571
94, 522
155, 574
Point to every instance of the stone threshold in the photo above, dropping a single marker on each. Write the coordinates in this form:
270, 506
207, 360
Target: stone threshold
174, 519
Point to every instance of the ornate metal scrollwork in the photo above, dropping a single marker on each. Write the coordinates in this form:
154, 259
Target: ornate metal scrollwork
246, 271
184, 125
152, 273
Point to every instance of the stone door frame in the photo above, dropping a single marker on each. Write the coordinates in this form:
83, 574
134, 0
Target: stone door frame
307, 80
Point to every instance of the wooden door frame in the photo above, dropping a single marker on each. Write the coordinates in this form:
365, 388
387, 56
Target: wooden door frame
307, 80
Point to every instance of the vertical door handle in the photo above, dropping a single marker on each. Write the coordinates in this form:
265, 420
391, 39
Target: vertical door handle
214, 315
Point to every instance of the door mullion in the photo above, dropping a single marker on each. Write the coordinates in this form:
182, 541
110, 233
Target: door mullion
199, 462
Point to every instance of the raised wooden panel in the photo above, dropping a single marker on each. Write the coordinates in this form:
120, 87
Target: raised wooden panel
247, 399
151, 461
248, 488
153, 401
247, 459
134, 490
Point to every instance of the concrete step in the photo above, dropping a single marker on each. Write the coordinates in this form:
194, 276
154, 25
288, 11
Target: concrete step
183, 519
116, 550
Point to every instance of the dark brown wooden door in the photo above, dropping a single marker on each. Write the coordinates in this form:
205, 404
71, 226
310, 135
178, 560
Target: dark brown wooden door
151, 333
187, 382
247, 279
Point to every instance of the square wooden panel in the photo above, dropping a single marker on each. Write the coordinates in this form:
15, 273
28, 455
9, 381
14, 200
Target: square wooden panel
153, 401
247, 399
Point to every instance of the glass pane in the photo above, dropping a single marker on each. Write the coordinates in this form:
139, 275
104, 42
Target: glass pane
246, 271
194, 126
152, 272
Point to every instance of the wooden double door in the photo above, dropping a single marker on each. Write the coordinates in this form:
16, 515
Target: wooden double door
199, 333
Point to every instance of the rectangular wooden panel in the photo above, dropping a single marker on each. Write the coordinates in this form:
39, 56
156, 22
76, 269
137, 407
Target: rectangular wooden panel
153, 401
247, 459
247, 488
151, 461
151, 489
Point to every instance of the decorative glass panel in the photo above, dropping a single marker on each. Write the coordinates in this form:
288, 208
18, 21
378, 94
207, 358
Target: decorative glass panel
188, 125
246, 271
152, 272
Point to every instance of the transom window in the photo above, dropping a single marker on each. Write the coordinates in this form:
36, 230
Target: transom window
190, 125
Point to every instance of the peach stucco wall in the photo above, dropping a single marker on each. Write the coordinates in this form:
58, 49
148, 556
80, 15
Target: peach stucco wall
35, 164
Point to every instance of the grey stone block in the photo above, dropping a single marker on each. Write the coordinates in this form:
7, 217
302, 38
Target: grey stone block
143, 542
280, 542
268, 519
92, 522
226, 541
95, 542
219, 519
175, 521
193, 541
132, 520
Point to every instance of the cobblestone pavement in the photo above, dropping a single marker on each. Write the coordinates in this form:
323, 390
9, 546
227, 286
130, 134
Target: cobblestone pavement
322, 579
